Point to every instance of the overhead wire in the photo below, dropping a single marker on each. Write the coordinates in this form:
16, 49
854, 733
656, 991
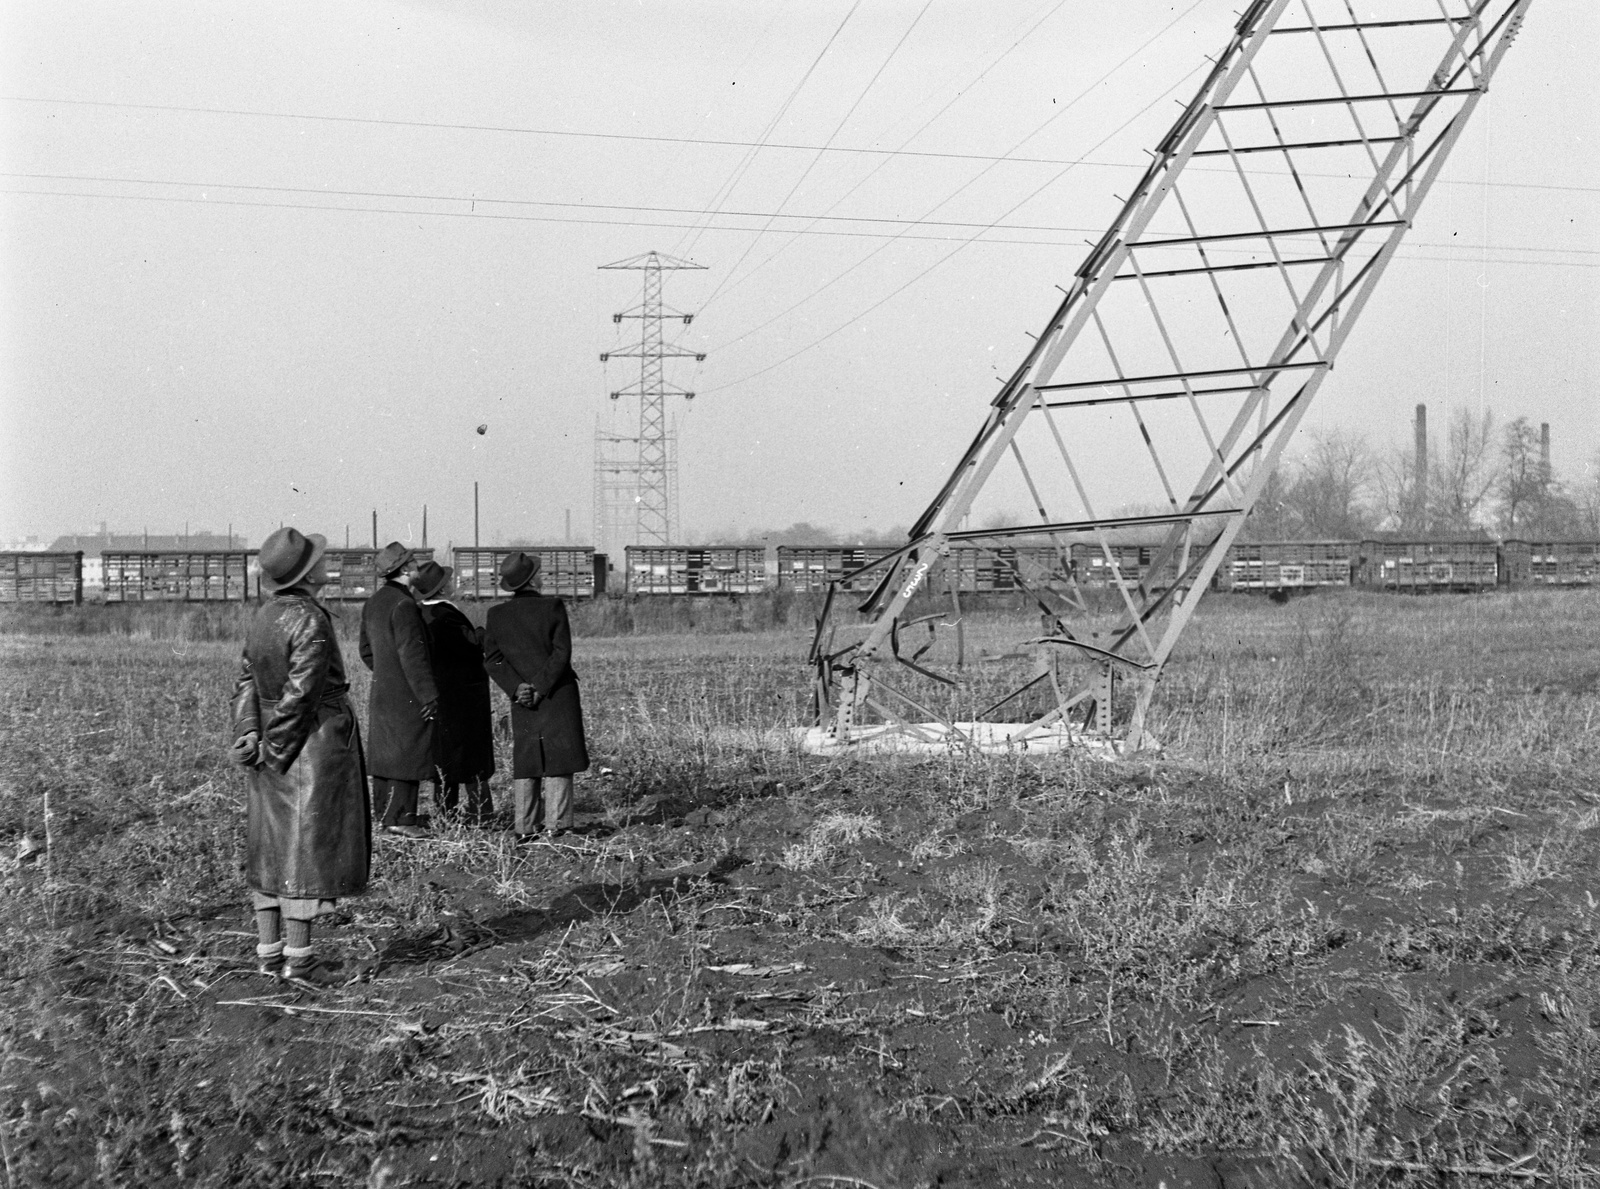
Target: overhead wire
959, 190
817, 342
817, 156
475, 199
708, 142
686, 243
921, 128
777, 11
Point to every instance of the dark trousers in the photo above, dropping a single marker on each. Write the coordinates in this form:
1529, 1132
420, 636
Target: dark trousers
480, 803
398, 798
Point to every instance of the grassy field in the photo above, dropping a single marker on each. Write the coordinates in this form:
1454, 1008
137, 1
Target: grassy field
1342, 931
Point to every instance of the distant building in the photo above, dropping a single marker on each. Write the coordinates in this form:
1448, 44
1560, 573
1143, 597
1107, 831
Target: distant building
23, 545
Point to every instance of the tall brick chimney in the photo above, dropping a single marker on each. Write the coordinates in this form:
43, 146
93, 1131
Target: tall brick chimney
1420, 495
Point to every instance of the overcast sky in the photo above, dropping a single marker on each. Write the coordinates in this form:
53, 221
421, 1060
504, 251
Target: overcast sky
384, 230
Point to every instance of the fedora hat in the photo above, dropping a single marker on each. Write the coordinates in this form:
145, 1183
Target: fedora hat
287, 556
393, 558
518, 570
430, 579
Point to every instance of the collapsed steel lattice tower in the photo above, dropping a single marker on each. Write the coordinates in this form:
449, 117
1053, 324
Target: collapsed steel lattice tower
646, 482
1199, 328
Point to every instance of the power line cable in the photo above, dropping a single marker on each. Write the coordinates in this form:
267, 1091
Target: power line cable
816, 157
686, 244
777, 11
472, 200
819, 290
941, 260
923, 127
703, 141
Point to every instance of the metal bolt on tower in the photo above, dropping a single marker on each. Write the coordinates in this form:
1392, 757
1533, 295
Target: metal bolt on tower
652, 470
1160, 394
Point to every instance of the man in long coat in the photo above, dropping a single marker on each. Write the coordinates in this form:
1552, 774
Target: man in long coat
309, 837
403, 700
527, 649
463, 731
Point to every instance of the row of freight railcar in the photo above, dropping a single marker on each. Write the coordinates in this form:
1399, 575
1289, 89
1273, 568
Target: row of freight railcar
581, 573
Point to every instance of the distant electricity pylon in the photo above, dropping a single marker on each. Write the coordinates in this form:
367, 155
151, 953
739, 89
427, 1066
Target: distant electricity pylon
636, 477
1141, 427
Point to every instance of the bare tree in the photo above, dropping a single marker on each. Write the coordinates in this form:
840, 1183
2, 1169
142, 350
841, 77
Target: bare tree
1273, 518
1329, 494
1394, 490
1587, 501
1465, 475
1533, 504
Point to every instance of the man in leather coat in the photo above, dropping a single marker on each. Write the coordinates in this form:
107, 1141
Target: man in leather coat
527, 649
404, 699
309, 838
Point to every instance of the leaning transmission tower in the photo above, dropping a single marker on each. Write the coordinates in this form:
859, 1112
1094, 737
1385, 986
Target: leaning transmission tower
1143, 424
635, 477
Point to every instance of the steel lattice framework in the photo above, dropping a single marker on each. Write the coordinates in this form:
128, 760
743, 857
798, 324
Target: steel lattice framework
652, 472
1187, 350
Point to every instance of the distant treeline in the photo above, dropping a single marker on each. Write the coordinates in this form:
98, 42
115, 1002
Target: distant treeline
1483, 478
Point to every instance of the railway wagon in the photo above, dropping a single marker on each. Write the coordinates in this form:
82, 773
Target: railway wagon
569, 572
1550, 563
1131, 562
178, 576
41, 578
695, 569
985, 569
352, 573
812, 568
1287, 565
1429, 566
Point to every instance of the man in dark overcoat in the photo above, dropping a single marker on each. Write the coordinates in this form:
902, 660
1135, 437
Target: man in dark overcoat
527, 648
463, 731
309, 837
404, 699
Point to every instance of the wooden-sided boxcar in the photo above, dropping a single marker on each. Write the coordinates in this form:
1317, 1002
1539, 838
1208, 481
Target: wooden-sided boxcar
1550, 563
1000, 568
568, 572
41, 577
695, 569
812, 567
1129, 561
179, 576
1287, 565
352, 573
1429, 566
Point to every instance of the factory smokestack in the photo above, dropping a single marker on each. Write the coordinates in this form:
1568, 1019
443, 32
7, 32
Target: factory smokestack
1544, 450
1420, 495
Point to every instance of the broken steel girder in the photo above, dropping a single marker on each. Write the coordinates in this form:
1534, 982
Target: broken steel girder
1150, 413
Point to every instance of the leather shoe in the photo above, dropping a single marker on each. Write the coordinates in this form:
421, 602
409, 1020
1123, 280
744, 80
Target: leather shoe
403, 831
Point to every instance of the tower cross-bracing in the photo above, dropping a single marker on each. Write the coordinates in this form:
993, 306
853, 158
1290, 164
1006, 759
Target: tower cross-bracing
650, 472
1160, 394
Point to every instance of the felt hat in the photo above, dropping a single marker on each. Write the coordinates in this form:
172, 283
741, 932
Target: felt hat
393, 558
518, 570
430, 579
287, 556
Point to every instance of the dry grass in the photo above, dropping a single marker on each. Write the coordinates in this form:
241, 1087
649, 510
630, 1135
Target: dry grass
1342, 932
